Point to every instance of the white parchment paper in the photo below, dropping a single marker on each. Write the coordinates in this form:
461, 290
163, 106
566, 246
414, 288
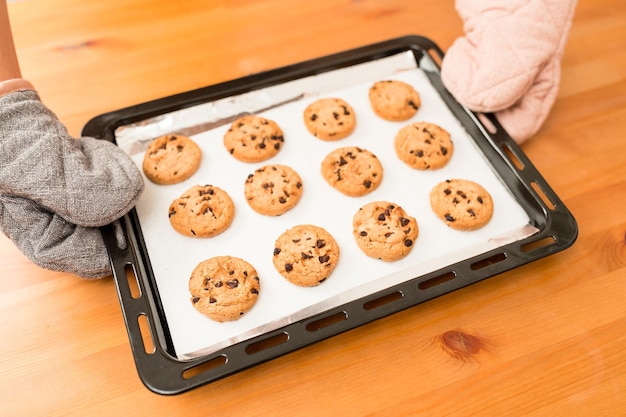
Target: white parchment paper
252, 236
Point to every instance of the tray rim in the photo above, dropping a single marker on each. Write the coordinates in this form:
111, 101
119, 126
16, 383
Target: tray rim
163, 373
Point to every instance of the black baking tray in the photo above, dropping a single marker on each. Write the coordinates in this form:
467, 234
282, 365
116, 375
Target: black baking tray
157, 365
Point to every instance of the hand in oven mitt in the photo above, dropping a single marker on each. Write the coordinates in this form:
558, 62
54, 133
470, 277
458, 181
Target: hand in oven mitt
55, 191
508, 62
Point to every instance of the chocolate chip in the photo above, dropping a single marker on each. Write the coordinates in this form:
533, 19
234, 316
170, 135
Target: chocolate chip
212, 300
254, 291
219, 284
413, 105
447, 191
444, 150
206, 190
381, 217
471, 212
195, 300
288, 267
276, 251
480, 200
404, 221
313, 117
305, 255
449, 217
323, 259
420, 153
233, 283
282, 200
367, 183
362, 233
320, 243
408, 242
336, 115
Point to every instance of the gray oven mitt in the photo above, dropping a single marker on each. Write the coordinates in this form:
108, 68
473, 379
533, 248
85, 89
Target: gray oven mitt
55, 191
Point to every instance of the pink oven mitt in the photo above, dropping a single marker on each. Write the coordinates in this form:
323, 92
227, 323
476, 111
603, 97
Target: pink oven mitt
508, 62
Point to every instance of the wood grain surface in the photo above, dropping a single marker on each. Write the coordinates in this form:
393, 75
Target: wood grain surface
544, 339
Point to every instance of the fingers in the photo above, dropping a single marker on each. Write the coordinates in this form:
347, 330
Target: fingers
51, 242
87, 182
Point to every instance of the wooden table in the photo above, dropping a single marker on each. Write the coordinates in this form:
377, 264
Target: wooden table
552, 333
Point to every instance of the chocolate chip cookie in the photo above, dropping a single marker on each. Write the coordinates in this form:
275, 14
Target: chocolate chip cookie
224, 288
273, 189
202, 211
306, 255
171, 159
330, 119
352, 170
462, 204
384, 230
394, 100
253, 138
424, 145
